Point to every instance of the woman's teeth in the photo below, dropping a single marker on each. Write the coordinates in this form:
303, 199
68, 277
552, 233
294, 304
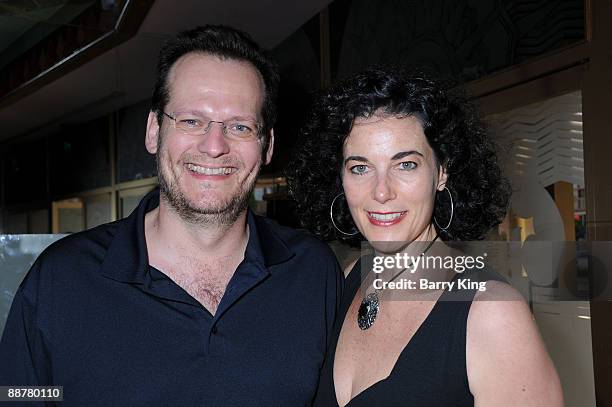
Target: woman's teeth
386, 217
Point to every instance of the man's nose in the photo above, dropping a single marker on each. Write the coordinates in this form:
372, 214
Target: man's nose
383, 190
214, 143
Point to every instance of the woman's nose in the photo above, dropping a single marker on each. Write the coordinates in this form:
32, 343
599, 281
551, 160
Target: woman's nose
383, 190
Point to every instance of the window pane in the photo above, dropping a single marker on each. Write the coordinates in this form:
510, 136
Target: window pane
68, 216
39, 221
17, 254
97, 210
133, 160
80, 157
130, 198
26, 172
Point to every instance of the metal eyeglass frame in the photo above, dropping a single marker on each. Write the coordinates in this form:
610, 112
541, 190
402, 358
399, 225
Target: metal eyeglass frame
224, 128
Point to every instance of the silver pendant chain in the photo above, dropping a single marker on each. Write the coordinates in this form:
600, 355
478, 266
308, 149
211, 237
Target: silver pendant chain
370, 305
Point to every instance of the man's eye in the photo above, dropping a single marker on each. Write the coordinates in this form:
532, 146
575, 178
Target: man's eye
240, 128
190, 123
359, 169
408, 165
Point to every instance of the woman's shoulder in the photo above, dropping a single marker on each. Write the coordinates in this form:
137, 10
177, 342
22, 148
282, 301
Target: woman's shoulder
506, 357
496, 308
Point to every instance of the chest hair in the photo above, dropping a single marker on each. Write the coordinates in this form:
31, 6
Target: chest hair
204, 281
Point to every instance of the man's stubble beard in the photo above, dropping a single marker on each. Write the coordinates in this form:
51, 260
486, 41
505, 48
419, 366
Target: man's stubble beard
224, 214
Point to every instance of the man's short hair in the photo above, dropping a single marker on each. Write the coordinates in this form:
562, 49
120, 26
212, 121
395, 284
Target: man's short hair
226, 43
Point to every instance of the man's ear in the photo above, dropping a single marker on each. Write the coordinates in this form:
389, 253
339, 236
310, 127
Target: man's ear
442, 178
270, 148
152, 134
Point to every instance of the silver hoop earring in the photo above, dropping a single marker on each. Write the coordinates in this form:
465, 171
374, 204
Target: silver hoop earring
452, 212
331, 216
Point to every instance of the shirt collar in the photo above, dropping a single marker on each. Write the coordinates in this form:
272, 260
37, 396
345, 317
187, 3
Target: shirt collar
265, 245
127, 259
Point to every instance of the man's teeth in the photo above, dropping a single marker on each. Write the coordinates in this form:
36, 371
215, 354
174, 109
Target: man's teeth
209, 171
386, 217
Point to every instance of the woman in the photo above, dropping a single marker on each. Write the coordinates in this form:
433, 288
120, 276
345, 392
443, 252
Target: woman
402, 162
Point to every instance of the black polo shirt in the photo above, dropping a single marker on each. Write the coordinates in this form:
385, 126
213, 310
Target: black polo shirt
92, 316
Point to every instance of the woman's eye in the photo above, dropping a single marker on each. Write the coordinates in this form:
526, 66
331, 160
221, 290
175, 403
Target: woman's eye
359, 169
408, 165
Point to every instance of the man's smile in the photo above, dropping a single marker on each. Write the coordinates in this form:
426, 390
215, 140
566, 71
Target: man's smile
210, 170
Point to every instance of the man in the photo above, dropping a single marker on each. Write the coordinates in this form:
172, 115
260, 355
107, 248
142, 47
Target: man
192, 299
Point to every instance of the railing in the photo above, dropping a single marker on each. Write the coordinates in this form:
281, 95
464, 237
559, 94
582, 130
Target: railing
96, 29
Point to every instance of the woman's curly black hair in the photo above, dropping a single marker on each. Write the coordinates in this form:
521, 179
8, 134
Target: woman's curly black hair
452, 126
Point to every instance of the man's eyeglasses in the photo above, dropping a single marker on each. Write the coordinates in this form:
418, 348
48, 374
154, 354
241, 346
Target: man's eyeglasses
235, 129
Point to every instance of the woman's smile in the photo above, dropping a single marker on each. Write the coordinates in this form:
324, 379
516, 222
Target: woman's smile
386, 218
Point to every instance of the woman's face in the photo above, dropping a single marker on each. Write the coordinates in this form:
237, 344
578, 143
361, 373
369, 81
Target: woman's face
390, 178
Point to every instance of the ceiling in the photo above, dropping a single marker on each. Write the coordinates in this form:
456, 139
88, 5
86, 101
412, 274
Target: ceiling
125, 74
23, 23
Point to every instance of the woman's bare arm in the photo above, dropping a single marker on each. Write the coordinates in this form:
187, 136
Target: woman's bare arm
507, 362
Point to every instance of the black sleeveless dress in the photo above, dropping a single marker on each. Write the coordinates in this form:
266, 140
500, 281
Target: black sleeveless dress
431, 369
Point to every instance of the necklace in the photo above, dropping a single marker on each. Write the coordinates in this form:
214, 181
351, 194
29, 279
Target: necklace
370, 305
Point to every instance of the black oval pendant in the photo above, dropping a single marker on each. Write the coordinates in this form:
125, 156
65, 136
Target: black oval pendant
368, 310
